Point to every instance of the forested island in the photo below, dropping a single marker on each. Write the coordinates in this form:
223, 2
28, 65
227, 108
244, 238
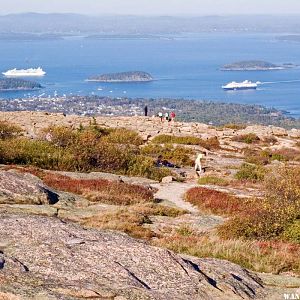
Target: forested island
134, 76
16, 84
255, 65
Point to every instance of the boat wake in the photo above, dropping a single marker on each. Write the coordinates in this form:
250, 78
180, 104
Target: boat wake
276, 82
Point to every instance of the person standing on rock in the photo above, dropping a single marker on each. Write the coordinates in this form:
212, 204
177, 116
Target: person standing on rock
146, 111
160, 115
173, 115
198, 163
167, 116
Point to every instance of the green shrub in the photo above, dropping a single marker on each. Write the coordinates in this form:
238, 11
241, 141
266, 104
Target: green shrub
250, 172
124, 136
59, 135
42, 154
292, 232
144, 166
8, 130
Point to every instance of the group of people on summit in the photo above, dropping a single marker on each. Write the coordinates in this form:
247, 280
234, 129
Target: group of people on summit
167, 116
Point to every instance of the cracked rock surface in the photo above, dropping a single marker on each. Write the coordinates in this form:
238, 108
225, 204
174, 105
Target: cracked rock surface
46, 258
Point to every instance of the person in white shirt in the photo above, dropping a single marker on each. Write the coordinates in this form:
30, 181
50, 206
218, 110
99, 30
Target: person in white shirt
198, 163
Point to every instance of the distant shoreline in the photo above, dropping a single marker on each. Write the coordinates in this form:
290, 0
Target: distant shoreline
210, 112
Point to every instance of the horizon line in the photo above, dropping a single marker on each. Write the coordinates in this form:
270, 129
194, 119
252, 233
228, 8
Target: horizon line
153, 15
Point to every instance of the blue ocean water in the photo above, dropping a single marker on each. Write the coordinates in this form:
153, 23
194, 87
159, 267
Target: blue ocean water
184, 67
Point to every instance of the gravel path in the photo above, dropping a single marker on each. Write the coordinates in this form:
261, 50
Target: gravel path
174, 193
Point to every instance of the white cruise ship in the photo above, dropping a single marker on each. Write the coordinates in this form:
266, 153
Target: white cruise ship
22, 72
245, 85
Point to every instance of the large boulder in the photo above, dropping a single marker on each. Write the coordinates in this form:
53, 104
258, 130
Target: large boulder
24, 188
47, 257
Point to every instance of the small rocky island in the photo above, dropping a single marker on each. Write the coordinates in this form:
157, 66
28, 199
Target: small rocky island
255, 65
134, 76
17, 84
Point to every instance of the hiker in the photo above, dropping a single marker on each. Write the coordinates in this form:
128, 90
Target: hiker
146, 111
160, 115
164, 163
173, 115
167, 116
159, 161
198, 163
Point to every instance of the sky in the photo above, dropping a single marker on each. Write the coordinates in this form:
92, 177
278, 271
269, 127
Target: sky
153, 7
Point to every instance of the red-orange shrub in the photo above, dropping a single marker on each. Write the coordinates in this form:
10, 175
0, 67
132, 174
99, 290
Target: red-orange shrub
214, 201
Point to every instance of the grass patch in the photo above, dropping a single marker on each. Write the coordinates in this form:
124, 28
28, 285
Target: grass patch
269, 257
132, 219
212, 180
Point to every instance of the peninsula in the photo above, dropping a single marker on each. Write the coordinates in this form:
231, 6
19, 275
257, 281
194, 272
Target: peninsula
133, 76
255, 65
16, 84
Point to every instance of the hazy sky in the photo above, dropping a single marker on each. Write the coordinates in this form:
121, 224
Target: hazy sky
153, 7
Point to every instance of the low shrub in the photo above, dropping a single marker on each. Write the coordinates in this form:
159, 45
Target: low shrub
104, 191
59, 136
212, 180
144, 166
252, 156
210, 144
292, 232
8, 130
22, 151
250, 172
214, 201
235, 126
261, 222
272, 216
286, 154
179, 156
171, 139
264, 157
124, 136
249, 138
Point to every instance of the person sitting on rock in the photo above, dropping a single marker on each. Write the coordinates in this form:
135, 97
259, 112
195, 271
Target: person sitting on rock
160, 162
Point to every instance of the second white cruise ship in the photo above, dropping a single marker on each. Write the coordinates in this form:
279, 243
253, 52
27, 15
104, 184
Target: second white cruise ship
22, 72
245, 85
